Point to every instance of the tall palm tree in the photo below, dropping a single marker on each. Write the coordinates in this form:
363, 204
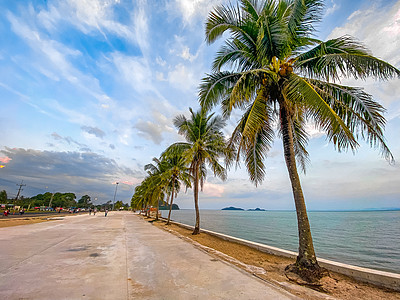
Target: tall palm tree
204, 145
273, 69
176, 173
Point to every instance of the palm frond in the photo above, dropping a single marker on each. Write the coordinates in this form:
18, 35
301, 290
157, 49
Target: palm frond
345, 57
215, 87
236, 55
253, 137
223, 18
361, 114
299, 90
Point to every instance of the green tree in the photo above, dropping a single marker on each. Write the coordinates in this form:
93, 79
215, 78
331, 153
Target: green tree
84, 202
273, 69
139, 200
156, 182
118, 205
3, 196
176, 172
204, 145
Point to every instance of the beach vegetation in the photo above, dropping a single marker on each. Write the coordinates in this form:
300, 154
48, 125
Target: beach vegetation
3, 196
155, 188
282, 79
205, 145
176, 173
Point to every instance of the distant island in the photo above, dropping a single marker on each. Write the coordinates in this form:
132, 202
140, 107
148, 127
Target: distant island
238, 208
166, 207
232, 208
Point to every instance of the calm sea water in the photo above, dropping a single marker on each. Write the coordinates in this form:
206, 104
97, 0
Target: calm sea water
366, 239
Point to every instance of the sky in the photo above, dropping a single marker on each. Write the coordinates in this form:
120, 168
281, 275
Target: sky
89, 89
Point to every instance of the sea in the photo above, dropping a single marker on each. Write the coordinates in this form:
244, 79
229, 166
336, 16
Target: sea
368, 239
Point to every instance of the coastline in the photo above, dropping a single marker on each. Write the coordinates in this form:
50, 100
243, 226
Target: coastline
270, 267
363, 239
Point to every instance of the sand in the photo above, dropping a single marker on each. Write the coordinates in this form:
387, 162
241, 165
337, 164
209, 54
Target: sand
7, 222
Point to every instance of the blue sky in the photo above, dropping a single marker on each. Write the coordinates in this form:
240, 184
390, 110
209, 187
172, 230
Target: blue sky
89, 88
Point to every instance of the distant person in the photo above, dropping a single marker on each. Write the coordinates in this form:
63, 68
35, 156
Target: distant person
95, 211
90, 211
106, 212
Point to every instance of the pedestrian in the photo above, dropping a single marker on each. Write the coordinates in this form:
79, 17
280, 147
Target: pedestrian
95, 211
90, 211
106, 212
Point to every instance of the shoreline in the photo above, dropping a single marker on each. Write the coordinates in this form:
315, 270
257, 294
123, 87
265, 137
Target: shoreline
380, 278
363, 239
243, 254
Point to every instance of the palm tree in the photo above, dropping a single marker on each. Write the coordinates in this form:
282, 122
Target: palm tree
175, 173
139, 199
278, 74
204, 145
157, 182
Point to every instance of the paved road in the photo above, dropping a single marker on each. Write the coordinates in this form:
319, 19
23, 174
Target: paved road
119, 256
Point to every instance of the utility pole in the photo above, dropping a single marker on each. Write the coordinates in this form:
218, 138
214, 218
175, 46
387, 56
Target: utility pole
116, 186
19, 191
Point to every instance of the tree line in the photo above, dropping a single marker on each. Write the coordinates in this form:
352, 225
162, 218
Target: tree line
280, 78
54, 200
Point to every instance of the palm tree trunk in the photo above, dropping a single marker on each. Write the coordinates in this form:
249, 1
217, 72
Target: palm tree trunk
172, 199
306, 258
158, 203
196, 200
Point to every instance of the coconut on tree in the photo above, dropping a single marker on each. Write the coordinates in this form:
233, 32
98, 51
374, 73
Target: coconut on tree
273, 69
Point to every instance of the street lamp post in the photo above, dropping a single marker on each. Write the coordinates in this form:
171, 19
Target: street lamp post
116, 186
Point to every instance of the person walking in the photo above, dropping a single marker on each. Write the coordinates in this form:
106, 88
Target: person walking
106, 212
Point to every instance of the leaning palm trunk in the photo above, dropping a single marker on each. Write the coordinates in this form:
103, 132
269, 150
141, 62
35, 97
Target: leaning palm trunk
158, 203
196, 200
172, 200
306, 259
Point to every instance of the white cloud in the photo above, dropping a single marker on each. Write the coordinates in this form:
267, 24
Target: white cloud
331, 9
186, 54
160, 61
183, 78
141, 27
378, 29
160, 76
87, 16
154, 130
193, 9
213, 190
133, 70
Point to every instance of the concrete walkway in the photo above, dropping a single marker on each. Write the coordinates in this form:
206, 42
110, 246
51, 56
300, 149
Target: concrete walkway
119, 256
